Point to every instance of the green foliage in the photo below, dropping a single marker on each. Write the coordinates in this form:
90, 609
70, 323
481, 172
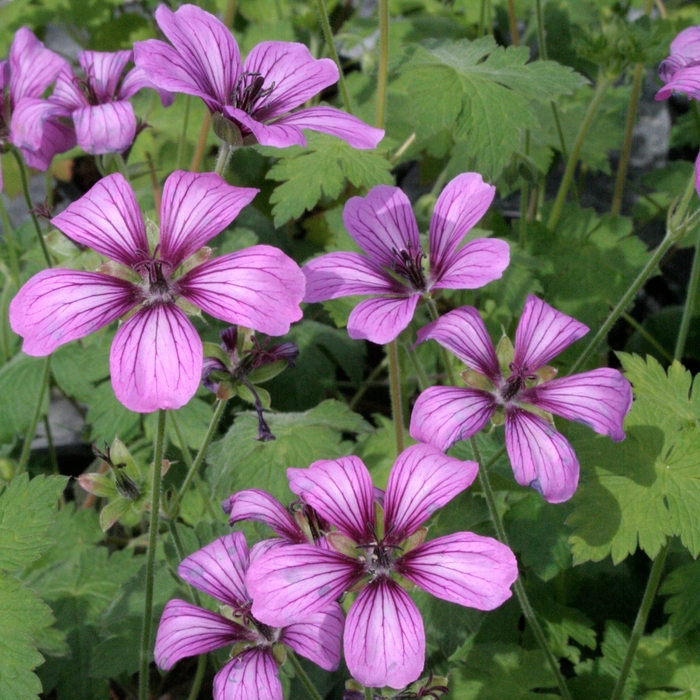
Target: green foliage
670, 667
20, 384
683, 585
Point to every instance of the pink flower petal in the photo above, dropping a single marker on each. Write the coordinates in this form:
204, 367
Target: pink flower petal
543, 332
381, 320
187, 630
259, 287
599, 399
685, 49
294, 75
33, 67
341, 491
109, 128
219, 570
463, 568
57, 306
67, 93
107, 219
291, 582
464, 334
259, 506
156, 360
541, 457
275, 135
336, 123
30, 120
343, 274
685, 80
384, 637
381, 223
318, 637
423, 479
103, 71
251, 675
459, 207
137, 79
479, 262
56, 137
196, 207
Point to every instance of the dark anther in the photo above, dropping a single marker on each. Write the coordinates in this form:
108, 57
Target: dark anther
104, 456
246, 97
409, 265
514, 384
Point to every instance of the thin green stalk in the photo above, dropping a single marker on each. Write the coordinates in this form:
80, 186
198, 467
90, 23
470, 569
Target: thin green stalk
52, 450
121, 166
9, 240
540, 30
201, 146
198, 677
8, 291
395, 390
383, 69
28, 201
690, 298
482, 18
328, 34
151, 556
225, 151
647, 336
562, 140
368, 693
27, 446
495, 457
183, 134
181, 440
365, 384
641, 621
421, 376
598, 96
524, 195
513, 24
49, 190
303, 676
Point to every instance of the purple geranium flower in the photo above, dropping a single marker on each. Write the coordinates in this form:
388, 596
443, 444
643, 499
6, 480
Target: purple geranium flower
98, 102
541, 457
219, 569
256, 96
27, 121
156, 356
384, 640
383, 225
681, 70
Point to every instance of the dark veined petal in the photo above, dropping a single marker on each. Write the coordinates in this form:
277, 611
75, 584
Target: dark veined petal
382, 319
36, 130
137, 79
318, 637
252, 675
477, 263
103, 71
253, 504
109, 128
33, 67
276, 135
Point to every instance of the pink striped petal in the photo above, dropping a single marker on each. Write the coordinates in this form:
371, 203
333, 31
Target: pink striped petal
341, 491
275, 135
291, 582
109, 128
56, 137
445, 415
107, 219
458, 209
599, 399
67, 93
343, 274
259, 287
103, 71
137, 79
259, 506
318, 637
28, 128
541, 457
384, 637
479, 262
33, 67
543, 332
294, 75
464, 334
336, 123
187, 630
196, 207
685, 80
156, 360
685, 49
219, 570
382, 319
57, 306
463, 568
252, 675
423, 479
381, 223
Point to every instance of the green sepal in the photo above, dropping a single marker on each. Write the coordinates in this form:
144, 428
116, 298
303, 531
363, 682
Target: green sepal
279, 651
405, 583
267, 372
8, 468
98, 485
226, 389
247, 395
476, 380
217, 352
343, 544
226, 130
379, 520
505, 353
114, 511
498, 417
152, 233
228, 612
187, 307
122, 459
244, 340
545, 374
418, 537
201, 256
545, 415
114, 269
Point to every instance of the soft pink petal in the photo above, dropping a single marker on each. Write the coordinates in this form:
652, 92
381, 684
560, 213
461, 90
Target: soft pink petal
67, 93
137, 79
275, 135
685, 80
685, 49
384, 637
318, 637
156, 360
259, 287
187, 630
107, 219
291, 582
459, 207
196, 207
543, 332
463, 568
29, 121
57, 306
56, 136
259, 506
109, 128
342, 274
464, 334
341, 491
294, 75
252, 675
382, 222
381, 320
423, 479
479, 262
219, 569
599, 399
33, 67
332, 121
103, 70
541, 457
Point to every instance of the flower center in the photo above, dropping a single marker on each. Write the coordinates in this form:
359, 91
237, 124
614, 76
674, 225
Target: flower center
408, 263
517, 381
85, 86
378, 559
266, 635
157, 288
249, 90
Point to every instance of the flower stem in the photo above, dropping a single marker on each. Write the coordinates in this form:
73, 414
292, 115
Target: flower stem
540, 30
52, 449
513, 24
328, 35
151, 556
641, 621
395, 389
121, 166
198, 155
689, 308
303, 676
198, 677
647, 336
225, 152
183, 134
368, 693
27, 446
383, 69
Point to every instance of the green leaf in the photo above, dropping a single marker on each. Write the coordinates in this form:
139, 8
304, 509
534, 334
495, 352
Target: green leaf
669, 666
20, 384
192, 419
108, 418
683, 585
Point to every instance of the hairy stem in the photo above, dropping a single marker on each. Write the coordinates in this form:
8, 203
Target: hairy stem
395, 389
328, 35
383, 70
27, 446
513, 24
303, 676
183, 134
225, 151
